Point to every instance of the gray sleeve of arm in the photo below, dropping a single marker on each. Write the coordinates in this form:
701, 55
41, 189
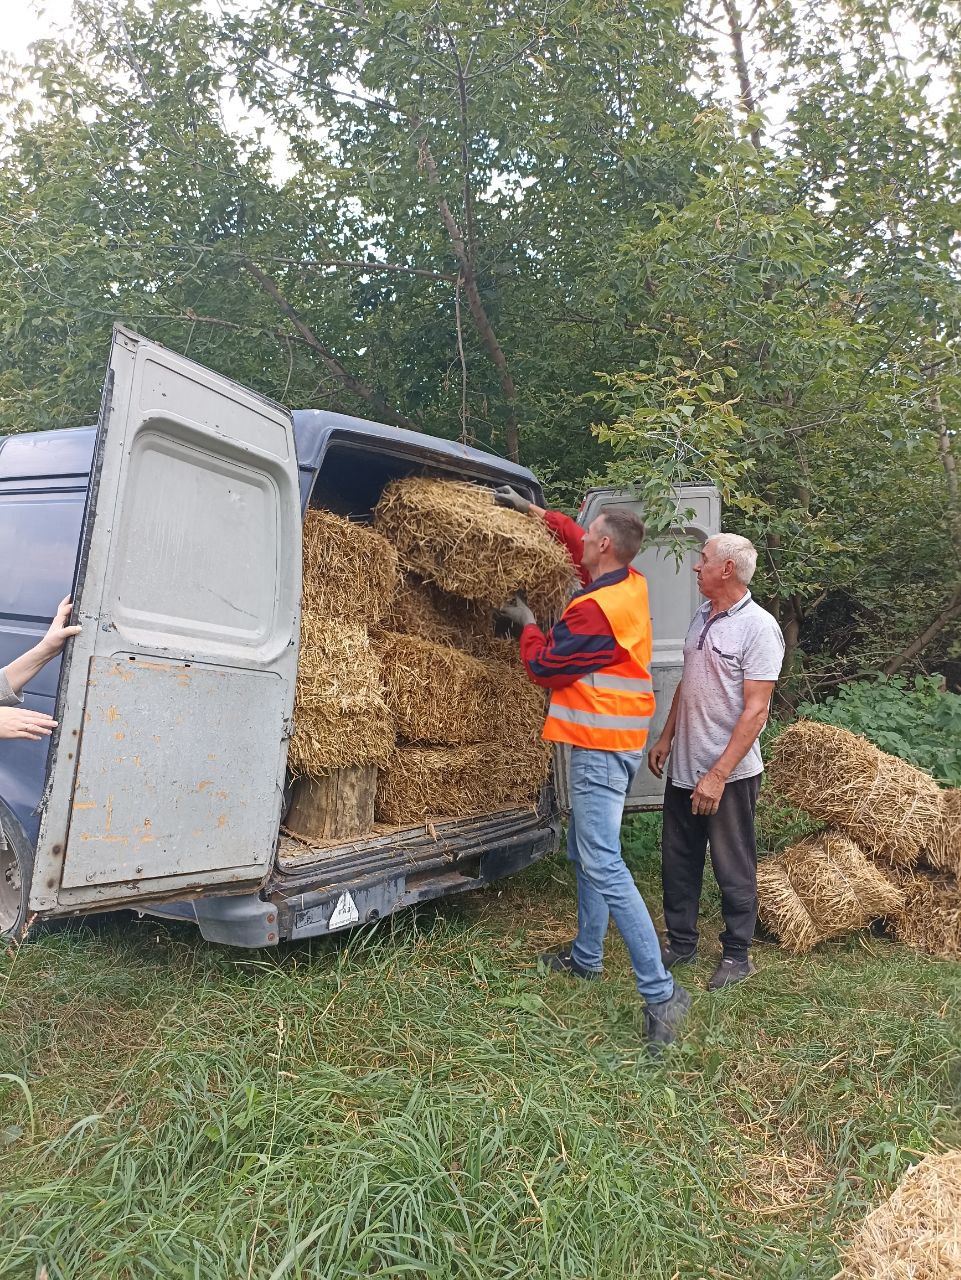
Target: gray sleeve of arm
764, 653
7, 696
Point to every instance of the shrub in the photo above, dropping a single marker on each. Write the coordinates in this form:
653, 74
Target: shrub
918, 721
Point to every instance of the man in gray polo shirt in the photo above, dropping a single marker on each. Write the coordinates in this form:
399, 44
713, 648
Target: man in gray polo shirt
732, 659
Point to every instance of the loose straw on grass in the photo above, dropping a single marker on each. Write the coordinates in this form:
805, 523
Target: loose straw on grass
915, 1234
887, 807
452, 534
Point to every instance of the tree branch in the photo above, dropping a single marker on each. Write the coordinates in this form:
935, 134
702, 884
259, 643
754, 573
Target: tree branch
948, 614
339, 371
474, 301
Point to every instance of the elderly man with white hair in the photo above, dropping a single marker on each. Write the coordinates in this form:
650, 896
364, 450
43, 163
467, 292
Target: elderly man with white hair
732, 659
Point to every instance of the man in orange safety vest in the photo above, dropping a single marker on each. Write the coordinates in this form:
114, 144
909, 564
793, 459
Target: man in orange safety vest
596, 661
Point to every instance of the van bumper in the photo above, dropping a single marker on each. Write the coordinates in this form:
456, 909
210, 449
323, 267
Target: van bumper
313, 891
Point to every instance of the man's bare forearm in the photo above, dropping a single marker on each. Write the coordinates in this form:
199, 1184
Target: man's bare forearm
670, 724
746, 731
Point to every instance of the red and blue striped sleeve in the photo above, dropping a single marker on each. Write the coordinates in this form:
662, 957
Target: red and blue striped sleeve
571, 536
579, 643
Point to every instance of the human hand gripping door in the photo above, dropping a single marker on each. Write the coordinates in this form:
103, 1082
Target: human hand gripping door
18, 722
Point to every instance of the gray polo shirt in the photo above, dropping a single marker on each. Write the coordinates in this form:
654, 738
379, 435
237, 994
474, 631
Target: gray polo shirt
720, 653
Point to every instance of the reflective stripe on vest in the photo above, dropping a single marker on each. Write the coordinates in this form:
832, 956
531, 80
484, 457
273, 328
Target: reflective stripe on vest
599, 721
611, 710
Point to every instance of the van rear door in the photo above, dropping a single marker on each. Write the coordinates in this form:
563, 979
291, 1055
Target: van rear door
175, 701
674, 597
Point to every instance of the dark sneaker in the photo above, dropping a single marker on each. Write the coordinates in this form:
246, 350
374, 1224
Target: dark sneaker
665, 1019
729, 972
670, 956
561, 961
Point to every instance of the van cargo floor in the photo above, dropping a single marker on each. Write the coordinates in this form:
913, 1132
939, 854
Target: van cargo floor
327, 865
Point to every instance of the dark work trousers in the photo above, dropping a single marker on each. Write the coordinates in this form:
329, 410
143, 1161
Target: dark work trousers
684, 841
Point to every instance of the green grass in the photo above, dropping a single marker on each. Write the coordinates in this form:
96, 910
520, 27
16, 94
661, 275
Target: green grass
416, 1101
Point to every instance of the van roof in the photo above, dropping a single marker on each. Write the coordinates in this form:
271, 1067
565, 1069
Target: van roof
68, 451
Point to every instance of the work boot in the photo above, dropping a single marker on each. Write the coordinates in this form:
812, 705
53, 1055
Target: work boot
730, 971
560, 960
670, 956
665, 1019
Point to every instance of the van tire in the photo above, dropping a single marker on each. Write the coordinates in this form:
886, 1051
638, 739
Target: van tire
16, 873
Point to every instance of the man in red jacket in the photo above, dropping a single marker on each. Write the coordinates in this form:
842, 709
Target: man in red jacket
596, 662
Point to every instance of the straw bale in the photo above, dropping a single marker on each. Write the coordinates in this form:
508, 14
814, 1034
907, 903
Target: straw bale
782, 911
453, 534
915, 1234
436, 693
886, 806
423, 783
522, 756
340, 716
944, 847
930, 918
839, 888
420, 608
349, 571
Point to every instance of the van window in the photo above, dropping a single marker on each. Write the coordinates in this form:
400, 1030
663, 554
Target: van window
39, 540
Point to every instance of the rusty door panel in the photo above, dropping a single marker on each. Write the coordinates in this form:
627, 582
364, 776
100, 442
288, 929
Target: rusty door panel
175, 700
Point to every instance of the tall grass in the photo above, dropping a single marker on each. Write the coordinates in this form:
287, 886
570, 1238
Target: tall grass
416, 1101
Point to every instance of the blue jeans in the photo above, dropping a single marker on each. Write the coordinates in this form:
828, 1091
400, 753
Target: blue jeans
600, 781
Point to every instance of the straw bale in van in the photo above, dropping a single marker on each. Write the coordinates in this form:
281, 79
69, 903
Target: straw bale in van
453, 534
349, 571
887, 807
840, 889
436, 693
930, 917
425, 783
915, 1234
340, 716
781, 910
420, 608
522, 756
943, 850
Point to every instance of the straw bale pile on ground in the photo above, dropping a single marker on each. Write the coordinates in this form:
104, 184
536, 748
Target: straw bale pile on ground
340, 716
916, 1233
930, 917
349, 571
944, 847
822, 887
889, 808
452, 534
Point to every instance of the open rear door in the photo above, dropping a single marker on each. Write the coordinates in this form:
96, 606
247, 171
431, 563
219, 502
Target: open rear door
166, 774
674, 597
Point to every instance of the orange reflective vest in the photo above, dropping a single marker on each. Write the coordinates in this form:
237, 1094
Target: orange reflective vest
610, 710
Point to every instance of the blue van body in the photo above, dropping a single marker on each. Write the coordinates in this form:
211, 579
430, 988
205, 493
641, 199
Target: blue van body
343, 463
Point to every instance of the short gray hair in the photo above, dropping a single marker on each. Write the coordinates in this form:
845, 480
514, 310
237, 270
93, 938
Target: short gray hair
731, 546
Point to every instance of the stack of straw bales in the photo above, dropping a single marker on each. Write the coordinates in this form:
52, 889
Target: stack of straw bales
892, 852
340, 716
452, 534
915, 1234
400, 667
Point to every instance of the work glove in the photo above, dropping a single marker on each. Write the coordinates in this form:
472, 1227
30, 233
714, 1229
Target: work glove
517, 610
505, 496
